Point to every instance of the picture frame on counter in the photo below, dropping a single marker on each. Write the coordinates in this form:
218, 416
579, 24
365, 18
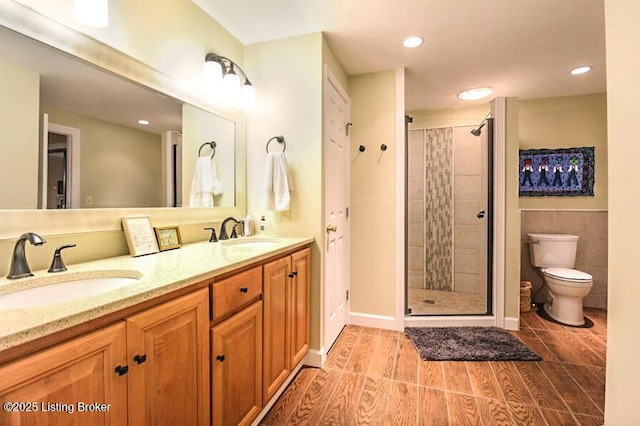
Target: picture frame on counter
168, 237
140, 236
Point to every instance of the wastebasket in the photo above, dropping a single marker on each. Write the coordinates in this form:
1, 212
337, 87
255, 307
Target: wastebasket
525, 296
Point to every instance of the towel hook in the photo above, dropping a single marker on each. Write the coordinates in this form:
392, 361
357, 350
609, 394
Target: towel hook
280, 139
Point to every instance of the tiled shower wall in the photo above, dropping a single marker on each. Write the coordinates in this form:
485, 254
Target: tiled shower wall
430, 208
591, 256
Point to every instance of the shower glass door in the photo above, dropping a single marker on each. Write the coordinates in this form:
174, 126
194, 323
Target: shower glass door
448, 221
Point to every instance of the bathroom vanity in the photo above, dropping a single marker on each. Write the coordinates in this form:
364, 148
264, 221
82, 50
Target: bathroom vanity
206, 334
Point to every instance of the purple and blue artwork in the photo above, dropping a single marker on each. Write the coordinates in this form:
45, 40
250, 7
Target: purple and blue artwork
557, 172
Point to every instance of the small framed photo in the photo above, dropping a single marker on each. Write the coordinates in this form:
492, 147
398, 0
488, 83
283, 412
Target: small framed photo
139, 233
168, 237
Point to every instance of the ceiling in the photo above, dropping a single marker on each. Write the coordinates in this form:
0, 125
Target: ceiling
522, 48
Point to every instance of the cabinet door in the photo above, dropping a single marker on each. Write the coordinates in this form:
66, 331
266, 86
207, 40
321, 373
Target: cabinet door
168, 355
54, 384
236, 357
300, 306
276, 293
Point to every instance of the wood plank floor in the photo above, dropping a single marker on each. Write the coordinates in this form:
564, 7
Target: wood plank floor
376, 377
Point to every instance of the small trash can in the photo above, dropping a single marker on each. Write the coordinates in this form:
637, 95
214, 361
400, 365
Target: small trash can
525, 296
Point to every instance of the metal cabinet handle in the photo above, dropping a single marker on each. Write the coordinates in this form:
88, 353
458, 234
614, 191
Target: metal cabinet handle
293, 274
140, 358
220, 358
121, 370
244, 289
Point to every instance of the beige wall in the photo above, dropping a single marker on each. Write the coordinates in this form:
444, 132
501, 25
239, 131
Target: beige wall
567, 122
172, 36
449, 117
119, 166
287, 74
19, 151
623, 96
373, 191
512, 217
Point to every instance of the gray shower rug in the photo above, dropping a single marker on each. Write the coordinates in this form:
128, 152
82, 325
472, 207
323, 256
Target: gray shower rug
468, 344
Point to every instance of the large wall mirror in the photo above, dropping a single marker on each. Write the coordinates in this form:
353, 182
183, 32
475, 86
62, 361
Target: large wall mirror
71, 136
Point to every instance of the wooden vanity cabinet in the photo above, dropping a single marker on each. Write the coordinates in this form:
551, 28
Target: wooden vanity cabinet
236, 348
151, 368
168, 355
50, 385
286, 318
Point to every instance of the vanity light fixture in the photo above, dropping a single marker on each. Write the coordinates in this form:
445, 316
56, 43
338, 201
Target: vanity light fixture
93, 13
413, 41
475, 93
581, 70
222, 73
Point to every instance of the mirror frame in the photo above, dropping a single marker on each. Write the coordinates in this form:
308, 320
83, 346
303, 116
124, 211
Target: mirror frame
34, 25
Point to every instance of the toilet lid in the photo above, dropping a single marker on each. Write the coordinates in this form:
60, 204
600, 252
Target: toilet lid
568, 274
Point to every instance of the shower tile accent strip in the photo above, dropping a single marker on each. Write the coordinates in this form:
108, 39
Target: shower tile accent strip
438, 220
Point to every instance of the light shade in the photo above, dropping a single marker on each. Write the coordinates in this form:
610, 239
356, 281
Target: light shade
581, 70
248, 95
475, 93
93, 13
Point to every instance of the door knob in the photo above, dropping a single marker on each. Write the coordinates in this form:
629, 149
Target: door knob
332, 228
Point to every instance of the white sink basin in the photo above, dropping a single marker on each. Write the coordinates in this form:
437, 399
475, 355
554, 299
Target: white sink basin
251, 243
49, 290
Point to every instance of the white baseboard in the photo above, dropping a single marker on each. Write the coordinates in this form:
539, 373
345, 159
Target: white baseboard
450, 321
315, 358
511, 323
376, 321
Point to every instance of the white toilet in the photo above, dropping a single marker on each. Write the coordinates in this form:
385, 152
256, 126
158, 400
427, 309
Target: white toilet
555, 255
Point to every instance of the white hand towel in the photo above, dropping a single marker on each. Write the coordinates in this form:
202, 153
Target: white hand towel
277, 183
205, 183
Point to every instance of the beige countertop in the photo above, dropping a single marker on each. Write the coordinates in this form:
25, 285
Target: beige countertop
158, 273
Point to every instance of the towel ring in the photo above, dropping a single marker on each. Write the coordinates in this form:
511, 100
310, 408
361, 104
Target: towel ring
280, 139
212, 144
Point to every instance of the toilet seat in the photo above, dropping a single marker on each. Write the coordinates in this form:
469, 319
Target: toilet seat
569, 276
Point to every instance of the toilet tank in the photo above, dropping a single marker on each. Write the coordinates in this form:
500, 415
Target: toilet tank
553, 250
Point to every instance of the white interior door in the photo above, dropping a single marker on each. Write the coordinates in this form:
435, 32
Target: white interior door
336, 197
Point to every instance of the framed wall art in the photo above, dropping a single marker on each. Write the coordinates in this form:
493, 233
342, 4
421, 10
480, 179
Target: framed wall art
557, 172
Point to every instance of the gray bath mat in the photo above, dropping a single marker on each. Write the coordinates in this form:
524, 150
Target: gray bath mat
468, 344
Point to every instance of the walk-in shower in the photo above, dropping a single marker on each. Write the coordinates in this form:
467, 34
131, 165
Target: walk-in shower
449, 220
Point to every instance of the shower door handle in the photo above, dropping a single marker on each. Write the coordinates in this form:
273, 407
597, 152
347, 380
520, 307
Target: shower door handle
480, 214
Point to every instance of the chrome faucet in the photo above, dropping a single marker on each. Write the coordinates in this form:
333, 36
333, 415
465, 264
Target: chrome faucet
223, 228
19, 266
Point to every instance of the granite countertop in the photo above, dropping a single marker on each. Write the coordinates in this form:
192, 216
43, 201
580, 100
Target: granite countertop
157, 274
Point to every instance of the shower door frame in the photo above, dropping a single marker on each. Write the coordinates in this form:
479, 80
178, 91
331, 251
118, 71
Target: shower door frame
488, 217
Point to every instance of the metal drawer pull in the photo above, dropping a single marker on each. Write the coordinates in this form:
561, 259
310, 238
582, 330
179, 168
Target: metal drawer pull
220, 358
244, 289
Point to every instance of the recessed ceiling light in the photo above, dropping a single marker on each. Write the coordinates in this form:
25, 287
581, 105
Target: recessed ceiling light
413, 41
580, 70
475, 93
143, 122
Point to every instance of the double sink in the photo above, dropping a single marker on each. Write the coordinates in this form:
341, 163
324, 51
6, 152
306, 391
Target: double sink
70, 286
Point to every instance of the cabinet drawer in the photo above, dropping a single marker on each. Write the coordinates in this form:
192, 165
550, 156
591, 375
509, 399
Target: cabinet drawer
231, 294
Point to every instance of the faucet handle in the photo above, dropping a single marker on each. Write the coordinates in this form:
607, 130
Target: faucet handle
57, 265
214, 237
234, 233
